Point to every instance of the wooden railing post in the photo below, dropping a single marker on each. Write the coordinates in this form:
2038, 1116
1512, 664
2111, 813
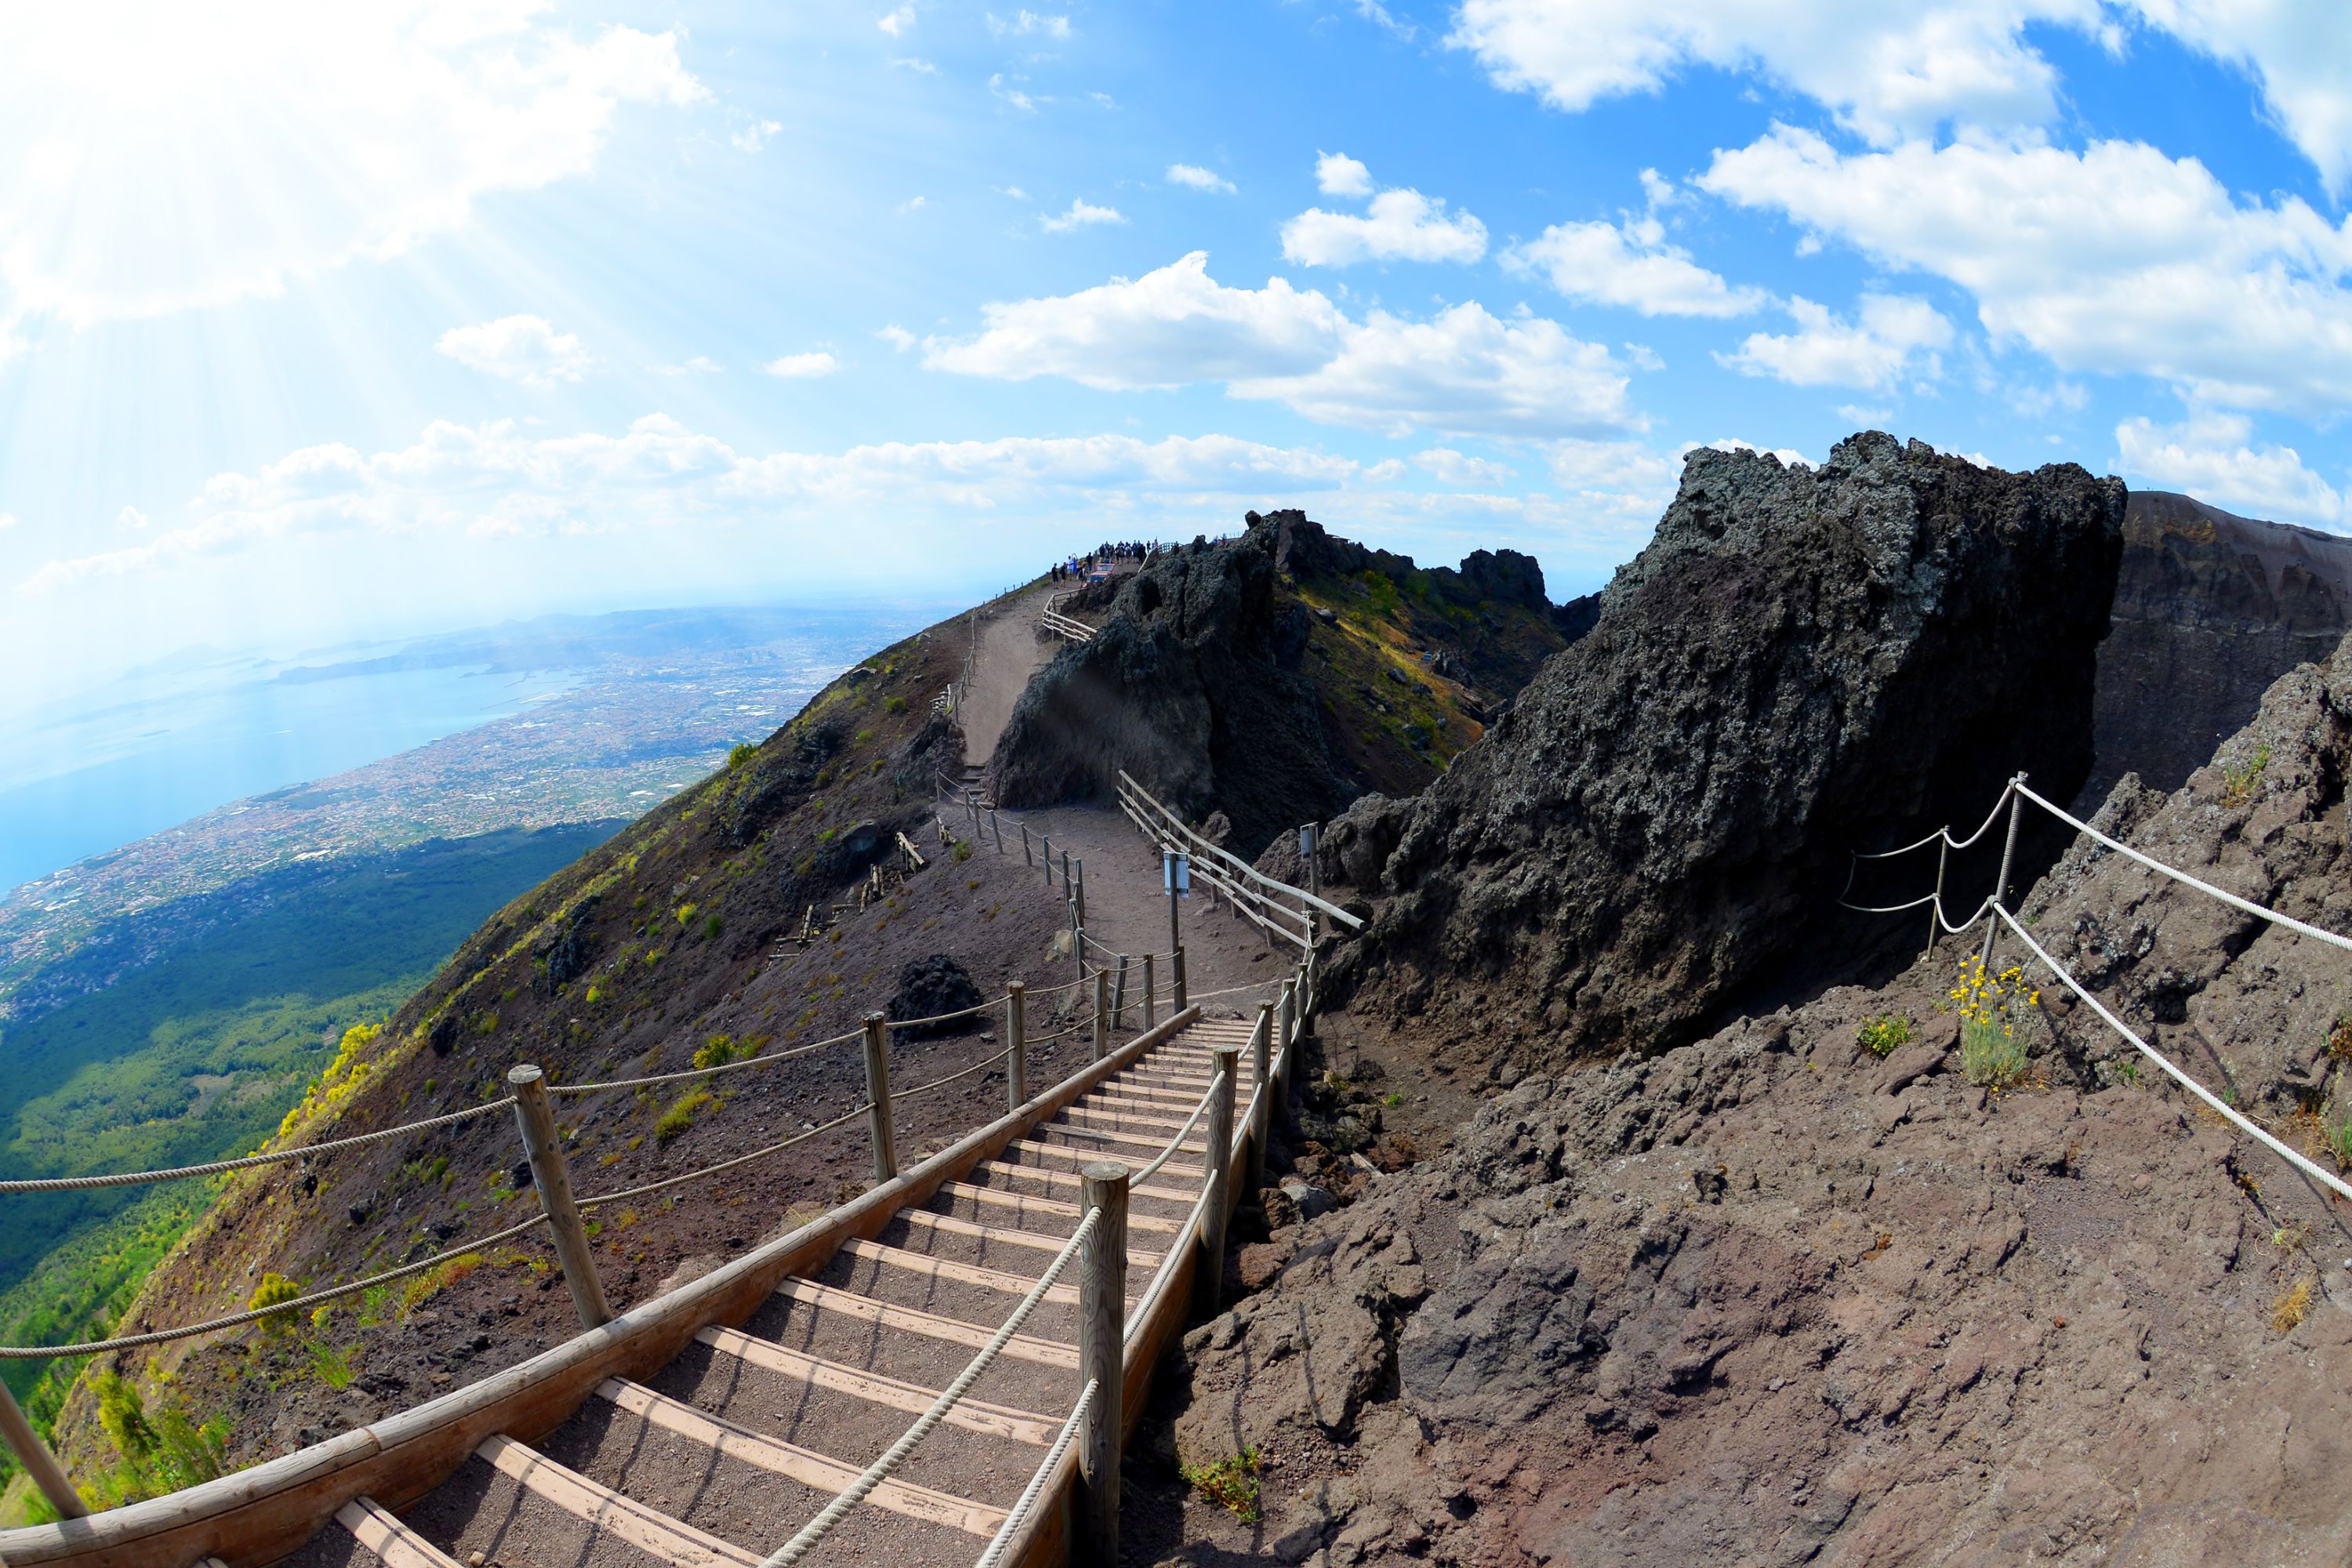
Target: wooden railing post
1102, 1014
1066, 871
1078, 936
1078, 891
1290, 1038
536, 1114
995, 830
1046, 841
1102, 1336
1026, 859
1208, 1278
1016, 1045
1262, 1093
1149, 1008
1118, 994
38, 1462
878, 1095
1176, 980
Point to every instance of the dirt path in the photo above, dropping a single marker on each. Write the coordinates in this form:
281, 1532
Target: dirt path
1009, 653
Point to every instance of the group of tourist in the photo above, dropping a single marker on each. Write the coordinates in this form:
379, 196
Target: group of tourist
1098, 563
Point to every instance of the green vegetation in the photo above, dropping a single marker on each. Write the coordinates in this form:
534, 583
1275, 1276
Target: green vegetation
1883, 1035
160, 1453
894, 705
274, 1289
680, 1115
2238, 782
1232, 1483
740, 756
720, 1049
1994, 1010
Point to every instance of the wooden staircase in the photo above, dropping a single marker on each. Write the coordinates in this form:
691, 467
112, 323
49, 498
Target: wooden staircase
717, 1456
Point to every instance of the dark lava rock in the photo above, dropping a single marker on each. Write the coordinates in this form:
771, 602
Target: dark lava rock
567, 955
1800, 664
930, 987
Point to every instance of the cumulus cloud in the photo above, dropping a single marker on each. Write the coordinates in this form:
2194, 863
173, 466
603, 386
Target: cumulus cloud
2116, 258
896, 22
1630, 265
1336, 175
518, 348
1403, 226
1082, 214
700, 364
1023, 23
131, 519
1198, 178
1449, 467
1891, 335
807, 366
2212, 456
1462, 370
299, 138
753, 137
897, 337
8, 520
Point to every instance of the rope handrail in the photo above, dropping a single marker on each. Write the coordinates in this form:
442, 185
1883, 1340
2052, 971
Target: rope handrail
1233, 990
769, 1059
2233, 900
275, 1157
807, 1538
1161, 1160
651, 1188
985, 1063
942, 1018
1027, 1502
2229, 1111
296, 1304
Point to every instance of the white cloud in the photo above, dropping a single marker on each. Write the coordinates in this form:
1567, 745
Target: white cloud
2210, 456
753, 137
1372, 11
1644, 357
915, 63
1399, 225
1336, 175
1886, 71
804, 366
1892, 334
1630, 266
1787, 455
897, 22
1863, 418
274, 140
1463, 370
1081, 214
1023, 23
2298, 51
1198, 178
131, 519
1012, 95
1625, 477
2115, 260
1449, 467
700, 364
897, 337
8, 520
518, 348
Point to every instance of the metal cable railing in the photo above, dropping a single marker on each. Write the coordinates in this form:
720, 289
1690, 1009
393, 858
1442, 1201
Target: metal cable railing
807, 1538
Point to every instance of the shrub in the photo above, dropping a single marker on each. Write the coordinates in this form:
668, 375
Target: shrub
2238, 783
274, 1289
1883, 1035
2339, 1038
740, 756
719, 1050
421, 1289
1231, 1484
2293, 1305
328, 1364
962, 851
680, 1115
711, 926
1992, 1009
2335, 1131
894, 705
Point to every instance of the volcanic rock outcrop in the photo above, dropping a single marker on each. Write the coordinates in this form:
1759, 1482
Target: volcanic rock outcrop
2210, 610
1801, 663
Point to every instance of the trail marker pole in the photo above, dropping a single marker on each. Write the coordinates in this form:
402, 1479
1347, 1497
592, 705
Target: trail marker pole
1210, 1280
877, 1096
1102, 1336
1176, 980
2008, 855
1148, 1008
1016, 1045
536, 1114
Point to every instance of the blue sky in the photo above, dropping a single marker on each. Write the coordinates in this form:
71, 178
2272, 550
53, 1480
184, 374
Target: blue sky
315, 325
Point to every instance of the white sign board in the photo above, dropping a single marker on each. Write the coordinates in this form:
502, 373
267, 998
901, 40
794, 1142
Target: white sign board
1176, 875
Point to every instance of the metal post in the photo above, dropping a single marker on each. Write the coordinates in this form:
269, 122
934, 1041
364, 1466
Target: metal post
1210, 1278
1102, 1336
996, 830
1936, 910
1026, 859
1168, 871
1118, 995
1080, 891
1016, 1043
38, 1462
1102, 1014
537, 1115
2008, 853
877, 1096
1150, 1007
1262, 1093
1176, 981
1077, 937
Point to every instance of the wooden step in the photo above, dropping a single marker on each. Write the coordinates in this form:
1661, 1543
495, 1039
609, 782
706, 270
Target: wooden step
614, 1513
393, 1544
1148, 1145
923, 1263
816, 1471
1119, 1118
1122, 1090
1026, 1203
1133, 1160
955, 1330
1033, 1241
972, 1414
1054, 1178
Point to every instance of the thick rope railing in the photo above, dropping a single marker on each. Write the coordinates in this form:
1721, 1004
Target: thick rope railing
980, 1065
2223, 1108
1026, 1504
679, 1181
768, 1058
296, 1304
275, 1157
813, 1532
1160, 1161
